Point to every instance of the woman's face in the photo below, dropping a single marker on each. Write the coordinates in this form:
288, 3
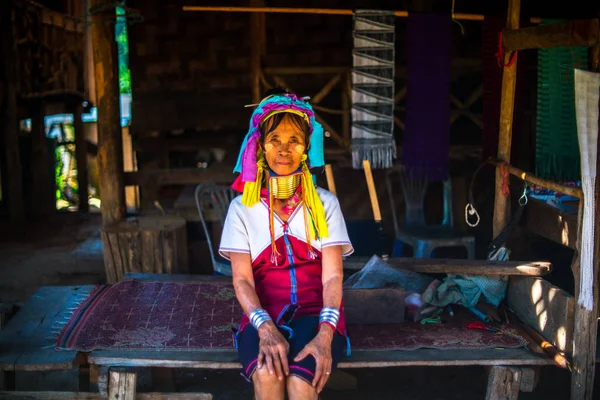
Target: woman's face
284, 147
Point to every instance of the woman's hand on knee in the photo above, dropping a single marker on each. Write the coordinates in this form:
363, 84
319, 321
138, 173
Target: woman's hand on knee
320, 349
273, 350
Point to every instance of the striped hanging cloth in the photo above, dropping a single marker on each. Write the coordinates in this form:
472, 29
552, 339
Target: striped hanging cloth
373, 89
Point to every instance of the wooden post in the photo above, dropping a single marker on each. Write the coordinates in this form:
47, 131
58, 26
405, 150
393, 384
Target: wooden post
504, 383
507, 103
121, 384
110, 145
257, 40
81, 158
586, 321
12, 186
43, 191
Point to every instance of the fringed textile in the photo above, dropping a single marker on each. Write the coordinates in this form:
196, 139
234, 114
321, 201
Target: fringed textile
587, 99
373, 89
426, 146
557, 153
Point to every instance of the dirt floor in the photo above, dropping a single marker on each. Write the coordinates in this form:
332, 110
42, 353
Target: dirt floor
67, 251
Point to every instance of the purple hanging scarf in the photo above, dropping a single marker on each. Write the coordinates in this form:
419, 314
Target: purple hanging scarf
426, 145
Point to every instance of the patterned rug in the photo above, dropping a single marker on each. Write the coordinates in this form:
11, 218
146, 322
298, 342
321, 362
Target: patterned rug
140, 315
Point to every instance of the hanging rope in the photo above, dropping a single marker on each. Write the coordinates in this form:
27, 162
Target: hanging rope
462, 28
470, 210
500, 54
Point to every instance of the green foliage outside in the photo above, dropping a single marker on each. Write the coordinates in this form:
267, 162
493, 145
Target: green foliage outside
123, 47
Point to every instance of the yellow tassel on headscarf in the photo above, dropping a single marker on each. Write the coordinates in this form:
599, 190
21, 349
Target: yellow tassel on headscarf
251, 194
313, 204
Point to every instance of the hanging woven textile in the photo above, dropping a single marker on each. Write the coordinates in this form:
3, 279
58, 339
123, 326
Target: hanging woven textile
587, 101
557, 152
373, 89
426, 145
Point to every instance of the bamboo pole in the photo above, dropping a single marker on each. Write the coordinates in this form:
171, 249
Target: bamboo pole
375, 205
372, 191
527, 177
325, 11
330, 180
507, 104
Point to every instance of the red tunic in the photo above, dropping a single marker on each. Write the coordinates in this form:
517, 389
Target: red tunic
293, 286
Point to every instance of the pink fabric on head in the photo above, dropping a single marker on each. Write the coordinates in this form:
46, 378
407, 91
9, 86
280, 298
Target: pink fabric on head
249, 169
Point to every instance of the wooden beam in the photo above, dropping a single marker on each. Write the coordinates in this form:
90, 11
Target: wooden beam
184, 176
304, 70
316, 99
568, 34
507, 103
81, 157
43, 190
12, 187
458, 266
323, 11
550, 223
527, 177
110, 145
23, 395
585, 331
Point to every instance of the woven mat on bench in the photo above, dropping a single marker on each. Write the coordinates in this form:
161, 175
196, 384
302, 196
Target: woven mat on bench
141, 315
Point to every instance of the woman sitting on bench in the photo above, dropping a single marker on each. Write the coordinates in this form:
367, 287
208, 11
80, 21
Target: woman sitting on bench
285, 239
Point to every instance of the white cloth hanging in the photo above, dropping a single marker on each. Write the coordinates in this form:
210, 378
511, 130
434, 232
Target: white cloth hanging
587, 96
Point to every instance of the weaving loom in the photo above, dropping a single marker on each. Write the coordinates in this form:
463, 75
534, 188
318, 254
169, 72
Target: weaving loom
373, 89
557, 153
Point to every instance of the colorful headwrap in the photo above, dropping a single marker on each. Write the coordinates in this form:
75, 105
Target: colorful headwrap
246, 163
253, 168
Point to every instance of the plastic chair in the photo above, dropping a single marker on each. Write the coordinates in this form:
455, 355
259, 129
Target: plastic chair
415, 232
215, 199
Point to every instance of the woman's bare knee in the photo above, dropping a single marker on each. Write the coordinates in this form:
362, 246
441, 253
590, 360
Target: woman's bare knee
267, 386
299, 389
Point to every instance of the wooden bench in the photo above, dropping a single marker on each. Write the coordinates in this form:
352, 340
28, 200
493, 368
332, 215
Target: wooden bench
24, 346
